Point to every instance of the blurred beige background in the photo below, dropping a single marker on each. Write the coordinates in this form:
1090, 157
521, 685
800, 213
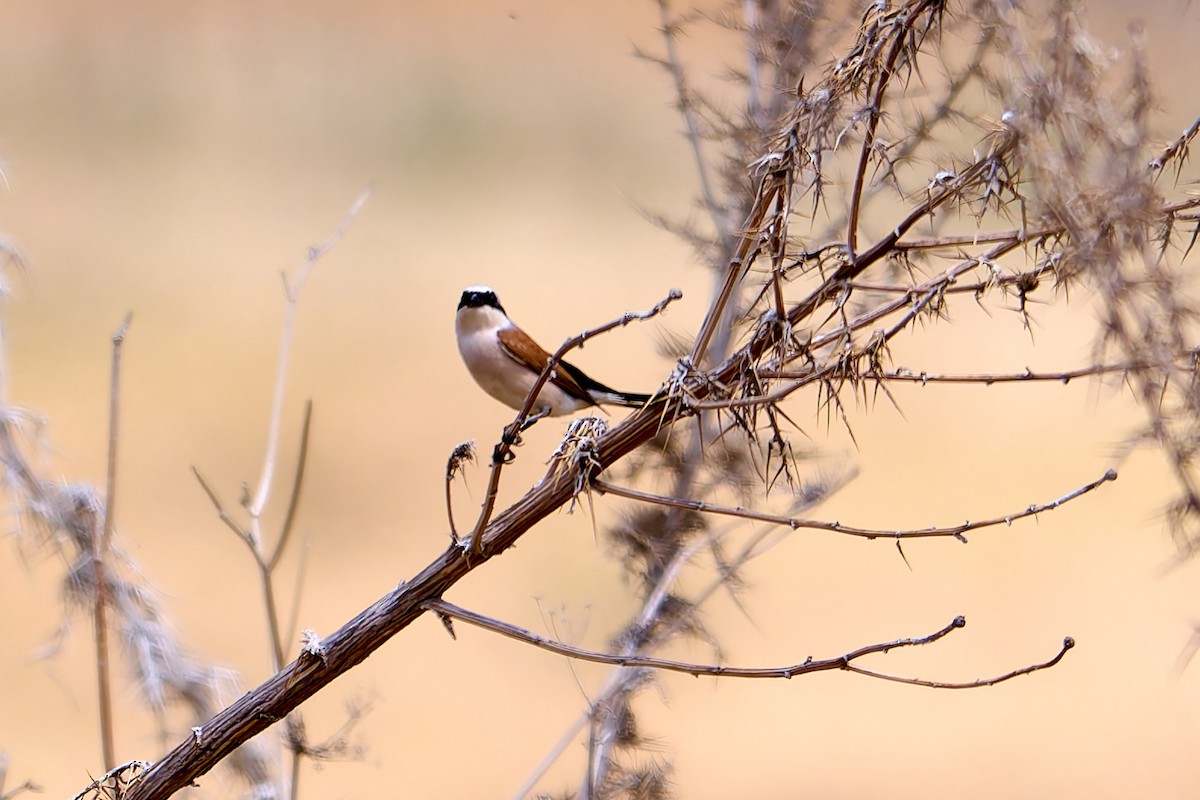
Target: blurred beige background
173, 159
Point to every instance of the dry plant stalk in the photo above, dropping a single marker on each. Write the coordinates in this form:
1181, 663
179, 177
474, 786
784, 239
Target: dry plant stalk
844, 211
104, 584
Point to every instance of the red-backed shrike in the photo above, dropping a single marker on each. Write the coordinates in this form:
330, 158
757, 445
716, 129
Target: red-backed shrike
506, 363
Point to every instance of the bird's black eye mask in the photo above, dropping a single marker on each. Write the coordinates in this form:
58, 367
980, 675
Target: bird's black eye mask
478, 298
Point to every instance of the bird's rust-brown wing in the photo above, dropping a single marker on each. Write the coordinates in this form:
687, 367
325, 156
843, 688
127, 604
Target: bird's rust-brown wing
525, 351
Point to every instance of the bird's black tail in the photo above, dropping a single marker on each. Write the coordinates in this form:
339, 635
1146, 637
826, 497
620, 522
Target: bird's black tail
604, 395
628, 399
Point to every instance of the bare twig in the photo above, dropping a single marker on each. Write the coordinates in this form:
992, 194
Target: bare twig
292, 295
294, 498
808, 666
110, 491
1067, 644
223, 514
266, 583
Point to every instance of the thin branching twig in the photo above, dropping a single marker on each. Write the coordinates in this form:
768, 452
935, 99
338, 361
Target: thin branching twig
809, 665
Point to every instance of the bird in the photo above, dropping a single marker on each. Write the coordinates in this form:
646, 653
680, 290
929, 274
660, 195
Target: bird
506, 362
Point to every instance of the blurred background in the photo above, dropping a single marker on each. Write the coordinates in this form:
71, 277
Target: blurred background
172, 159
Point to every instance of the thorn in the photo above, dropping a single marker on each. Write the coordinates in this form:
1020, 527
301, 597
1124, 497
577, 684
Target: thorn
448, 623
312, 646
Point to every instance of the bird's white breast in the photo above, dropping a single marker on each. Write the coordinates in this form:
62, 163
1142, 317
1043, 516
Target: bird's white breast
495, 371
